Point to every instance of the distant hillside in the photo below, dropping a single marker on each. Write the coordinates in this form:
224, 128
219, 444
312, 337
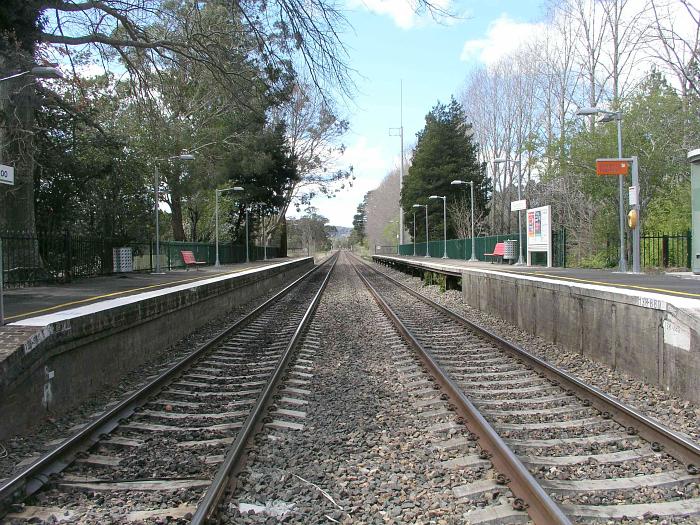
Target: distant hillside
342, 231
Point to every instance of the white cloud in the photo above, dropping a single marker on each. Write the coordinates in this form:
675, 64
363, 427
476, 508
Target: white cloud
370, 165
503, 36
402, 12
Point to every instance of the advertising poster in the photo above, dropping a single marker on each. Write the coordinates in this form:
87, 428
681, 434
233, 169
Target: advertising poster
539, 232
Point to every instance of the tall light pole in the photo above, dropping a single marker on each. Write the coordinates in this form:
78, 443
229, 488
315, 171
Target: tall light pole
470, 183
184, 156
394, 132
444, 220
609, 116
38, 72
520, 262
397, 236
414, 233
262, 219
247, 244
427, 240
216, 216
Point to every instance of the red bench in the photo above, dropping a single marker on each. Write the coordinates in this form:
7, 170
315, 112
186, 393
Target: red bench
189, 260
498, 251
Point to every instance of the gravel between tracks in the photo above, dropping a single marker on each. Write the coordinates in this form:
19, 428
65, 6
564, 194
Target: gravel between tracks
678, 414
25, 448
367, 442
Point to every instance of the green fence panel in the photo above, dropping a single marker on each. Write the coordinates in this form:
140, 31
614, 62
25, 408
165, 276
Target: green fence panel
462, 248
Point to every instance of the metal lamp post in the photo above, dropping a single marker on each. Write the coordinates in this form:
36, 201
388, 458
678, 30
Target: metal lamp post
444, 220
470, 183
393, 132
216, 218
521, 261
247, 244
427, 243
609, 116
414, 233
184, 156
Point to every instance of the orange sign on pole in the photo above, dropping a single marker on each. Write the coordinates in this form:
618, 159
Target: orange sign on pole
611, 167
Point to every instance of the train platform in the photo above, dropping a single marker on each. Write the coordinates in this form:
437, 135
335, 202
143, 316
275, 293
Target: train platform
645, 325
64, 343
677, 284
23, 303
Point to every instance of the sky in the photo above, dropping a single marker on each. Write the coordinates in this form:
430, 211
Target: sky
389, 45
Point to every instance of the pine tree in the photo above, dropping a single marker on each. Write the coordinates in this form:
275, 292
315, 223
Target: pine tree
444, 152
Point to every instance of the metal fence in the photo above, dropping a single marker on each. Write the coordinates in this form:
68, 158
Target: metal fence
656, 250
29, 259
462, 248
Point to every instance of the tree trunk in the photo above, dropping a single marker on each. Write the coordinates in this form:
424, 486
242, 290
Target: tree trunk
176, 214
283, 237
17, 101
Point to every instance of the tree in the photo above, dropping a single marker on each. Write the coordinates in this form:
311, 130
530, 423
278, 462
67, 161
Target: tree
263, 164
357, 236
381, 209
310, 232
314, 132
444, 152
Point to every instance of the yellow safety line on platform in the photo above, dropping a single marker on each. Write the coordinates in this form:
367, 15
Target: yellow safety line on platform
602, 283
113, 294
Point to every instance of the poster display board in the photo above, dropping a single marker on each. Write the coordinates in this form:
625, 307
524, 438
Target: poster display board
539, 232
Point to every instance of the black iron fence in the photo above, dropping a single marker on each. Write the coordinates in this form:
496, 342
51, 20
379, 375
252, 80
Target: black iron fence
29, 259
657, 250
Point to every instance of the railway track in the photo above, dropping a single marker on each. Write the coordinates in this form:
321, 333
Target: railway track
570, 452
172, 448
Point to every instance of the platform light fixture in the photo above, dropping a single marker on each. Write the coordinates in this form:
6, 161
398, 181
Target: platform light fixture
156, 184
216, 217
470, 183
609, 116
37, 72
503, 160
414, 233
427, 243
444, 220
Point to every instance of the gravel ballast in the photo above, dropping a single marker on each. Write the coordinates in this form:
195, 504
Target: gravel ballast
23, 449
678, 414
377, 440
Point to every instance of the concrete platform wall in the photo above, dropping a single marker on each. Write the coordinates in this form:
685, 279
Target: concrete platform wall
74, 359
642, 335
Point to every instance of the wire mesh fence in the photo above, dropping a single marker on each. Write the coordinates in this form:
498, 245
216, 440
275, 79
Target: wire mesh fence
30, 259
462, 248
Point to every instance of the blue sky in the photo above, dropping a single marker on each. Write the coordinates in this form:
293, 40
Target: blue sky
388, 44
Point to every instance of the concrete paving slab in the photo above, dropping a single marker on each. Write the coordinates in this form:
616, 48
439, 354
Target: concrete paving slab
680, 284
21, 303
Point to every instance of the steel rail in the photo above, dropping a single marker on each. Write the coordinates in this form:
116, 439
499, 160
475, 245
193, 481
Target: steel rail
225, 475
532, 497
36, 475
661, 437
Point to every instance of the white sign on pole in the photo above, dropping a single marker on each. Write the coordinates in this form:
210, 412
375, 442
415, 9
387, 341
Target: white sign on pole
7, 174
539, 232
518, 205
633, 196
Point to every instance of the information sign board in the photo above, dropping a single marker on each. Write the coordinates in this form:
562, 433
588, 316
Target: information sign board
518, 205
634, 199
539, 232
611, 167
7, 174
